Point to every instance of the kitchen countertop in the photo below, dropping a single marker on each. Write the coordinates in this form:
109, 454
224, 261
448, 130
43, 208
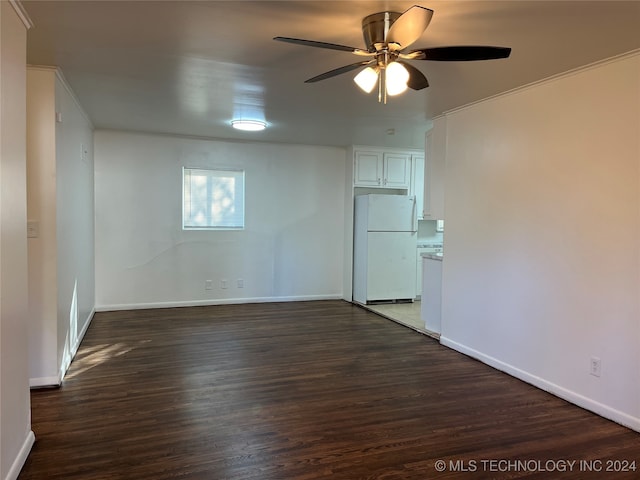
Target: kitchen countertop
432, 256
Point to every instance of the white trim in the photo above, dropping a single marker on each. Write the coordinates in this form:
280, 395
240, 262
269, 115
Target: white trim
74, 348
22, 13
235, 220
23, 453
577, 399
221, 301
375, 148
44, 68
42, 382
83, 331
67, 87
543, 81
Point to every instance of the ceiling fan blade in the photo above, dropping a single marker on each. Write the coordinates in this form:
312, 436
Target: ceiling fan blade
339, 71
409, 26
460, 53
330, 46
417, 80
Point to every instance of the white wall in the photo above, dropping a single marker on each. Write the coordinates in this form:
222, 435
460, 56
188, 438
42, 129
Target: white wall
60, 202
16, 437
292, 247
74, 224
542, 242
41, 209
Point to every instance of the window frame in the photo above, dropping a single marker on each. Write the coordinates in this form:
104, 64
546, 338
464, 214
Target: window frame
238, 173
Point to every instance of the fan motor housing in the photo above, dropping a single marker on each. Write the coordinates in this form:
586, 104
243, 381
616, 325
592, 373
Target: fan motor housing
375, 27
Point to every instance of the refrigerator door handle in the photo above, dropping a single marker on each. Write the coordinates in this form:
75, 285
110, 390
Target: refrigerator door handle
413, 215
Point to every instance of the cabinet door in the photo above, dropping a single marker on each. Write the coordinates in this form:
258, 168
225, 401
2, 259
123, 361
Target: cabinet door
368, 169
397, 170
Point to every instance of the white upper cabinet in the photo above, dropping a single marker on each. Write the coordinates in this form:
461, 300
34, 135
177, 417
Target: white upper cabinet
367, 169
434, 170
397, 170
379, 169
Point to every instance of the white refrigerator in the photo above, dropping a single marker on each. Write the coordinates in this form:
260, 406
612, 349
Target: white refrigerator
385, 248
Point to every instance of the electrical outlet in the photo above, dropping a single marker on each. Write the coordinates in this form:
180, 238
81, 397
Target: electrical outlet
595, 366
208, 284
240, 283
224, 283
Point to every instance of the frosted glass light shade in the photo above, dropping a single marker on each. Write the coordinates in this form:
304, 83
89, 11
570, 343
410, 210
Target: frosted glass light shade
396, 78
248, 125
367, 79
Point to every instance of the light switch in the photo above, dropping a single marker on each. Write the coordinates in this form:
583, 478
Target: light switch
33, 229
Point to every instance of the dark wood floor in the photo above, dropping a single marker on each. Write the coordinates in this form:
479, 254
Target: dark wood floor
309, 390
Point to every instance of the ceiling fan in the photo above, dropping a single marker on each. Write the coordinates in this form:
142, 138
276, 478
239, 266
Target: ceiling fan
387, 36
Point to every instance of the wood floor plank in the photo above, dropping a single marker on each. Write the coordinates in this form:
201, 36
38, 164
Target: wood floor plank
305, 390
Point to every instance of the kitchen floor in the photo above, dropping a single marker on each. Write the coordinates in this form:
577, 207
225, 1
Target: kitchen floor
407, 314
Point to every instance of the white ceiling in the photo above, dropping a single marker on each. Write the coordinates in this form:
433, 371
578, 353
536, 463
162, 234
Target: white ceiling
188, 68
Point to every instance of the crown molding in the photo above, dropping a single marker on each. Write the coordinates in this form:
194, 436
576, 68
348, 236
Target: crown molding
58, 73
22, 13
552, 78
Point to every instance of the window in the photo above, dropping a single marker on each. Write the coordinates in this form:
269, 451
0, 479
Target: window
212, 199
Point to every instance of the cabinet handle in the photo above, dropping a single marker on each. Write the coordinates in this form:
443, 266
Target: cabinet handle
378, 181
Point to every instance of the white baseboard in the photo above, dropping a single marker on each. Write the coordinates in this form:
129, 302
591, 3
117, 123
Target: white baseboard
219, 301
83, 331
603, 410
23, 453
66, 363
41, 382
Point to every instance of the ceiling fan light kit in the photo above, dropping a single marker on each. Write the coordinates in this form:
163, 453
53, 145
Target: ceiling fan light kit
391, 80
367, 79
387, 35
396, 78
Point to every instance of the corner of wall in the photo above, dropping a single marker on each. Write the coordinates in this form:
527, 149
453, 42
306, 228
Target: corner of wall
73, 349
347, 288
21, 458
16, 437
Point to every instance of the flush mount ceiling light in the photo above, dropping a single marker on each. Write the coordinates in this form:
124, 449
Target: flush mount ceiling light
387, 35
249, 125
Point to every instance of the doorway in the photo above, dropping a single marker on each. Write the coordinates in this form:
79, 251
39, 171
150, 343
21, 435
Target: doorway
407, 314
